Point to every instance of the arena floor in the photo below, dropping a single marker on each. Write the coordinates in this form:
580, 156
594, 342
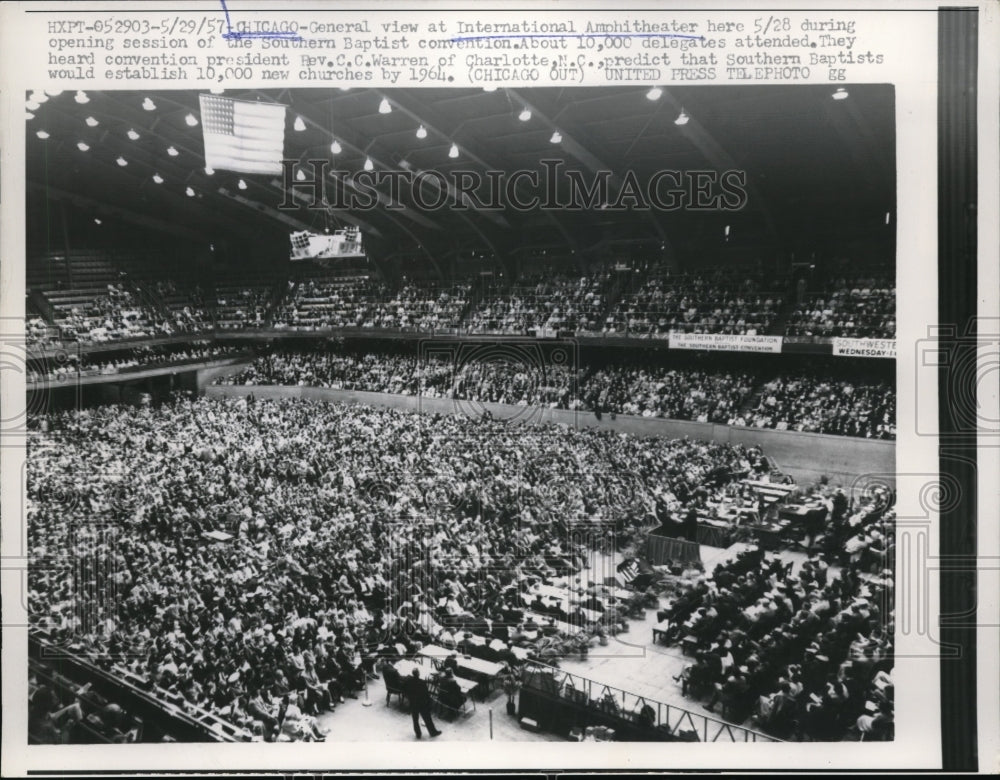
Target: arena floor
630, 662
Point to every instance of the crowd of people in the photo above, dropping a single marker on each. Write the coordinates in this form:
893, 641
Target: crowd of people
827, 405
242, 306
705, 396
264, 554
554, 304
119, 313
807, 656
71, 365
856, 308
432, 377
597, 302
359, 302
328, 303
708, 303
815, 404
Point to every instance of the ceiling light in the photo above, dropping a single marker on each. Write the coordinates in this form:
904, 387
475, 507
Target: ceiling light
42, 134
81, 97
216, 90
654, 93
189, 192
556, 138
887, 217
157, 178
32, 105
300, 175
299, 124
241, 184
97, 221
132, 134
682, 118
421, 132
209, 170
453, 152
840, 94
149, 105
53, 92
525, 115
490, 88
122, 162
38, 96
369, 165
384, 107
82, 146
172, 151
91, 122
335, 147
29, 115
191, 120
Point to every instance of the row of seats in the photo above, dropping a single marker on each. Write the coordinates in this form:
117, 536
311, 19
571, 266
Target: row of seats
650, 304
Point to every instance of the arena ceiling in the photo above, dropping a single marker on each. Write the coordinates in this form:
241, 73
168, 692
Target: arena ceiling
815, 166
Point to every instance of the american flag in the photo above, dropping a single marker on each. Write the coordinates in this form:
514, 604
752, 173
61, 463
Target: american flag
242, 136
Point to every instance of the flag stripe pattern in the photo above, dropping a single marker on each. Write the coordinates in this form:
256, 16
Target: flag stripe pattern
242, 136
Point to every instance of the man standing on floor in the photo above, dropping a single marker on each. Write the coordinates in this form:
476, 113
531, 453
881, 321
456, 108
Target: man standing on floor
419, 696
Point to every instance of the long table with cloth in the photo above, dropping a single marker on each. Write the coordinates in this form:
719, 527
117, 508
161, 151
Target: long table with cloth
668, 549
405, 668
481, 671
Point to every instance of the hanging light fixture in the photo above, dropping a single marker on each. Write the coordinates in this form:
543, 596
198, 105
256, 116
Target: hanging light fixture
209, 170
32, 105
840, 94
191, 120
82, 146
38, 96
556, 137
172, 151
299, 125
97, 220
53, 92
682, 118
81, 97
525, 115
42, 134
453, 152
241, 184
29, 116
122, 162
300, 175
216, 90
132, 134
654, 93
369, 165
384, 107
335, 147
157, 178
490, 88
91, 121
421, 132
148, 105
189, 192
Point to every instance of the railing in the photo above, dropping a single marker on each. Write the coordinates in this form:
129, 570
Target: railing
661, 341
639, 713
184, 721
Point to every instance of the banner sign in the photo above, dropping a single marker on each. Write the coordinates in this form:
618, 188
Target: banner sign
725, 342
872, 348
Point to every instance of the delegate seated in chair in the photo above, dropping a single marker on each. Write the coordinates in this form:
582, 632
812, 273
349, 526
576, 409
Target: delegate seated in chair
393, 682
449, 692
